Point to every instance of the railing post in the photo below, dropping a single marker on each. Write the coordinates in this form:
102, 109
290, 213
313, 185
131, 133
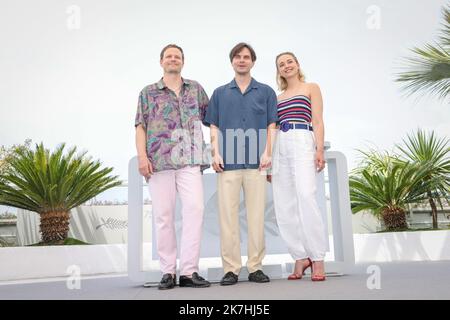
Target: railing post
135, 225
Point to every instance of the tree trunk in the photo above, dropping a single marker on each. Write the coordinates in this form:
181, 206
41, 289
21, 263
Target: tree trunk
54, 227
433, 210
394, 219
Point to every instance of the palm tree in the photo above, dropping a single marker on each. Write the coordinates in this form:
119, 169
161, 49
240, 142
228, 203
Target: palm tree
7, 153
427, 149
429, 69
51, 184
384, 185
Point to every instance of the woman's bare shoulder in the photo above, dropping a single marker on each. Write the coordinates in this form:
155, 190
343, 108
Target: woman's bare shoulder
281, 96
312, 86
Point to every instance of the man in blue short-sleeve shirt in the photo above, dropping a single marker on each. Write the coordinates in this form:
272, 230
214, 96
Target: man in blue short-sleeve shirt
242, 116
242, 119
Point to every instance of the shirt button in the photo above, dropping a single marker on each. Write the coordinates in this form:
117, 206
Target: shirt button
243, 119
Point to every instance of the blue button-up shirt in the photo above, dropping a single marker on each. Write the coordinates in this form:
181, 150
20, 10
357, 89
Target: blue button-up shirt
242, 119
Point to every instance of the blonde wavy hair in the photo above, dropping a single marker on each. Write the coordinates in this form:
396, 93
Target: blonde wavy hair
282, 83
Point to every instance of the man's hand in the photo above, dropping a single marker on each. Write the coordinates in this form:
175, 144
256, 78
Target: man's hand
265, 162
319, 160
145, 167
217, 163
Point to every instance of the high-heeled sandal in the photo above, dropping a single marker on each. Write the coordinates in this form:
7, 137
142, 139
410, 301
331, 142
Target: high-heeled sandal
316, 277
296, 276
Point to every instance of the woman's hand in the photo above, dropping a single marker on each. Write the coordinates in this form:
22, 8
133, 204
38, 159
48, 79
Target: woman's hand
319, 160
265, 162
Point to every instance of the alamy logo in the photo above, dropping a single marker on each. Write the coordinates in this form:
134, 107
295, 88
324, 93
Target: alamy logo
74, 17
374, 280
241, 145
374, 20
73, 282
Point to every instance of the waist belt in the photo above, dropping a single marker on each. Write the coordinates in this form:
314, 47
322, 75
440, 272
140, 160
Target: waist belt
286, 126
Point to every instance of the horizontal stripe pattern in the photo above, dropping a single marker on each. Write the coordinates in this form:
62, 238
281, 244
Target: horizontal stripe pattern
295, 109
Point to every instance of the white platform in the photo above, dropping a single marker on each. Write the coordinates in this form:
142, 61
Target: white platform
18, 263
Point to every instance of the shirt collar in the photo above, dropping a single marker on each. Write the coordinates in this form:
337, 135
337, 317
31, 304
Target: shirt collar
161, 85
253, 84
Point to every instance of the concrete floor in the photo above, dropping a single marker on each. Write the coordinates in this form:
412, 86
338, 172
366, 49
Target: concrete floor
406, 280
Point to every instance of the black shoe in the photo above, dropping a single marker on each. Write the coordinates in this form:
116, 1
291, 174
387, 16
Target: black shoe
228, 279
258, 276
195, 282
168, 281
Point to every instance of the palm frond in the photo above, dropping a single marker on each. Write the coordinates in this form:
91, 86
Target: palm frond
43, 182
399, 183
428, 71
445, 31
426, 149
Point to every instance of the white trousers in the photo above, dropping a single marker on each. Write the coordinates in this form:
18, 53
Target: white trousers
294, 194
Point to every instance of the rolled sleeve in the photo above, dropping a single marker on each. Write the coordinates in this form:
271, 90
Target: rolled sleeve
142, 111
203, 101
272, 113
212, 112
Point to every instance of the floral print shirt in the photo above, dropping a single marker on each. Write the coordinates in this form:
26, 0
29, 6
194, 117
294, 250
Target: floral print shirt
173, 125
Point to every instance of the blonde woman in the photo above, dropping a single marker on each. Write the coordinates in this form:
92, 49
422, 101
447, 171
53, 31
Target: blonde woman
298, 156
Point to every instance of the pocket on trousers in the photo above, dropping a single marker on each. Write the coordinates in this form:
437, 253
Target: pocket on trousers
309, 142
305, 150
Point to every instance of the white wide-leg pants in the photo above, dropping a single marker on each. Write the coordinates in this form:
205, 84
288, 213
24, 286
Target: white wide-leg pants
294, 194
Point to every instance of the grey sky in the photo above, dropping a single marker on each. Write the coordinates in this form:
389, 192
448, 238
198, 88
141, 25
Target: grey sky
81, 86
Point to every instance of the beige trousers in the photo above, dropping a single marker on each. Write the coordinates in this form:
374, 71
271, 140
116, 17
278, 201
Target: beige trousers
229, 185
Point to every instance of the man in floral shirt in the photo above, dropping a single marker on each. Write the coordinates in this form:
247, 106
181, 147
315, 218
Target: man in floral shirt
170, 149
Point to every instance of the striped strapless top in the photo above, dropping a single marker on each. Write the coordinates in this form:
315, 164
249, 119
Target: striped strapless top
295, 109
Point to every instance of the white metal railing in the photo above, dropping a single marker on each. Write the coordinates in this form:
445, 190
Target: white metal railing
340, 215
